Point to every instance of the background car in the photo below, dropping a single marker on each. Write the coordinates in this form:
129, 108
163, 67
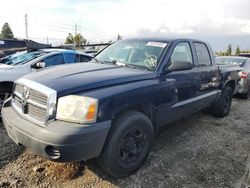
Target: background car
244, 54
244, 74
17, 65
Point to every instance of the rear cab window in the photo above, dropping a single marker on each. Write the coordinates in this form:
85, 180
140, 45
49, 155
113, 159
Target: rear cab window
203, 56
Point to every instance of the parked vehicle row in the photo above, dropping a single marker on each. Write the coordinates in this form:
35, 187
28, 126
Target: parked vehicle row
112, 107
244, 71
17, 65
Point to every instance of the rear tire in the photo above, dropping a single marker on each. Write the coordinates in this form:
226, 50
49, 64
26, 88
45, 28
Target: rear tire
223, 105
127, 145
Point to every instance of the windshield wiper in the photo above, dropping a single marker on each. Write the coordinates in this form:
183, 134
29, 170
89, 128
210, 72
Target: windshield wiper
125, 65
120, 64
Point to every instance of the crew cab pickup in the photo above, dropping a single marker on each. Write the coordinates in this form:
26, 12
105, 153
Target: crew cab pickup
112, 107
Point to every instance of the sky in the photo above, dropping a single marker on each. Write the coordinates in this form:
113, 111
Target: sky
218, 22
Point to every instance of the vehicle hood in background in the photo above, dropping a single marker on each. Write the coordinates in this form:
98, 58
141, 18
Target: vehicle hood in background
4, 66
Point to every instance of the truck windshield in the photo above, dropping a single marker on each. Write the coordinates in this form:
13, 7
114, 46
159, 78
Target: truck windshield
130, 53
230, 61
22, 58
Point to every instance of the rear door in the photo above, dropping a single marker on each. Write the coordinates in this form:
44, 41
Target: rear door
209, 72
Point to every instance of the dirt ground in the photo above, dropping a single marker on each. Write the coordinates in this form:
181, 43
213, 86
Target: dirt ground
198, 151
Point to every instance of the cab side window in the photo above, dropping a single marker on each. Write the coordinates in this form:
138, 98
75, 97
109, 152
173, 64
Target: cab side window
54, 60
182, 52
202, 54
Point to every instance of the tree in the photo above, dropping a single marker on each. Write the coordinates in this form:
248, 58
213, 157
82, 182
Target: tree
69, 39
6, 32
237, 51
79, 40
229, 49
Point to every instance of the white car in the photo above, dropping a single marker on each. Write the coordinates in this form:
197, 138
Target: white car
18, 65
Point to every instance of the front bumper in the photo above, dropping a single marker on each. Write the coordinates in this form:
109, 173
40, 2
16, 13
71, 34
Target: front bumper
58, 141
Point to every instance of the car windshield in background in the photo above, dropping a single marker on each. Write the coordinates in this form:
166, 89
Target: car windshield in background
23, 58
230, 61
144, 54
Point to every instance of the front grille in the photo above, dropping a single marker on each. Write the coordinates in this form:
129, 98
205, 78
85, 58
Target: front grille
38, 97
34, 101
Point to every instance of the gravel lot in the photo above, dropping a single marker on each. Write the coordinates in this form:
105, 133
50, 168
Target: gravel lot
198, 151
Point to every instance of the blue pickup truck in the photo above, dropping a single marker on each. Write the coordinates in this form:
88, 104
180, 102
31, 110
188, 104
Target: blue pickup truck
112, 107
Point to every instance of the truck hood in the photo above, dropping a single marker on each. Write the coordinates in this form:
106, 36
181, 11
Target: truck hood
74, 78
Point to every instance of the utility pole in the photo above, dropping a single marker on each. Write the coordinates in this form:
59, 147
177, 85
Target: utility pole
76, 29
26, 26
47, 40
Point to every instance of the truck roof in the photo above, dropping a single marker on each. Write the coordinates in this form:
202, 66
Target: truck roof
163, 39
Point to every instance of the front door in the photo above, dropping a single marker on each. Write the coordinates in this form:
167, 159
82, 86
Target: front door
187, 86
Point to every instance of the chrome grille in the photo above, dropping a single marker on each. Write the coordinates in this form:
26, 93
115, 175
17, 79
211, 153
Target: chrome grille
34, 101
38, 97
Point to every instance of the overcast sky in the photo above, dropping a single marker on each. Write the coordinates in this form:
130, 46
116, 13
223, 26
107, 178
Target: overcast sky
216, 21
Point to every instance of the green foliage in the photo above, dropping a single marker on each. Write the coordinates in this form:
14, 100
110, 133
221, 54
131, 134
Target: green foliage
229, 49
245, 51
6, 32
237, 51
221, 53
69, 39
79, 40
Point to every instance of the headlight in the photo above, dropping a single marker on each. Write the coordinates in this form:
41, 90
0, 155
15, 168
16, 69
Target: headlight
77, 109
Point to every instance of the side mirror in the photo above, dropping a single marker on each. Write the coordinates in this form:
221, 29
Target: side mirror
39, 65
179, 65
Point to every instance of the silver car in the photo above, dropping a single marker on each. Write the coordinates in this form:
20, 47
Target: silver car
244, 74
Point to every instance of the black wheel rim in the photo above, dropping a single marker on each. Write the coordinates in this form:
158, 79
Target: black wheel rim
131, 146
226, 102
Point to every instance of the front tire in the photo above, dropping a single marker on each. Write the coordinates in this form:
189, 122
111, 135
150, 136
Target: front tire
5, 93
223, 105
127, 145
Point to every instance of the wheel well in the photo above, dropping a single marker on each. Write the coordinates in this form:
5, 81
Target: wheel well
231, 84
6, 85
146, 109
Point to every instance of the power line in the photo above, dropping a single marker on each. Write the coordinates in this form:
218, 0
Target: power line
71, 29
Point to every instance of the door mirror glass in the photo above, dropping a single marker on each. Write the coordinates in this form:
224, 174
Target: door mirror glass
180, 65
39, 65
